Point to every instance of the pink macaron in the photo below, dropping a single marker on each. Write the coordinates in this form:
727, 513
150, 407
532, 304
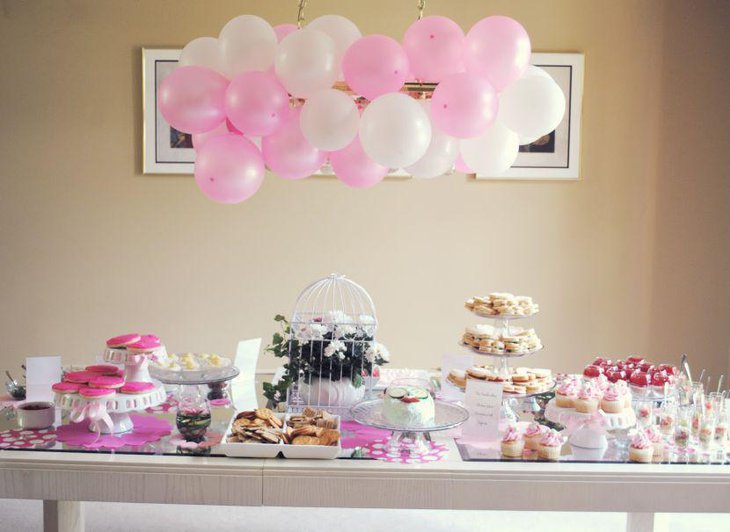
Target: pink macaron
66, 387
123, 341
135, 387
106, 381
96, 393
103, 369
146, 344
79, 377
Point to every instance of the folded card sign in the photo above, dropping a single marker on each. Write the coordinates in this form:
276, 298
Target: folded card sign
483, 401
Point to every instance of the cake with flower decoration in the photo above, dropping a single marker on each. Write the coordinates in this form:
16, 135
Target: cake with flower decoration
641, 448
408, 406
533, 434
566, 393
550, 445
587, 400
512, 443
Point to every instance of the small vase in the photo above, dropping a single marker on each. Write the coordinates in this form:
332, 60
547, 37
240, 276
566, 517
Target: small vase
193, 414
324, 393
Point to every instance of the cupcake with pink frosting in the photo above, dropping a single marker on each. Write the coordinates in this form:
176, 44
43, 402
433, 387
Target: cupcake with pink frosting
566, 393
641, 448
533, 434
655, 437
550, 445
612, 401
587, 400
512, 443
602, 383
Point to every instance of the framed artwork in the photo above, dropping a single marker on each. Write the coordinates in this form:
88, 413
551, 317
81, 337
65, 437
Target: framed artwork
166, 150
556, 155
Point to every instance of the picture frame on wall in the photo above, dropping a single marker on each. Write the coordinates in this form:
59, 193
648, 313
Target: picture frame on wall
165, 149
556, 155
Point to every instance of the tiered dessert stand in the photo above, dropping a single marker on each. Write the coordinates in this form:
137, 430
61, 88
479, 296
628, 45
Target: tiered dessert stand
585, 432
120, 405
502, 327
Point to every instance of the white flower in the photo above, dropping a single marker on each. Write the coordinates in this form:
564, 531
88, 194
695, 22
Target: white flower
337, 317
344, 330
310, 331
341, 355
376, 350
334, 347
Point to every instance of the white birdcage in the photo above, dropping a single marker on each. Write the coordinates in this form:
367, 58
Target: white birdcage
332, 346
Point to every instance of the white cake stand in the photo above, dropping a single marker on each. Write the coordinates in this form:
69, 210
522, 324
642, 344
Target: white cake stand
586, 436
118, 407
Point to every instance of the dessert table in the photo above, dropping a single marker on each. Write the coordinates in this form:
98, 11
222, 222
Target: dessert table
153, 473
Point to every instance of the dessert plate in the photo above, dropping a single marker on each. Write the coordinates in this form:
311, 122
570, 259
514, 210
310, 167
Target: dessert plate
201, 376
446, 416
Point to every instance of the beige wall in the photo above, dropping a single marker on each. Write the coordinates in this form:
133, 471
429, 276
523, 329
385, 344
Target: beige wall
633, 258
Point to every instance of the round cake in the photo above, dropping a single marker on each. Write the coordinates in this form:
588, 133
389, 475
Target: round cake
408, 406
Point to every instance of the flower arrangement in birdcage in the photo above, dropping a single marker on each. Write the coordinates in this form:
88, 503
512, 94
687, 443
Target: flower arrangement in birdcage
334, 347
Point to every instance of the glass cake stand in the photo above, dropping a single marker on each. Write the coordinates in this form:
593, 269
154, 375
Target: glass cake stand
447, 416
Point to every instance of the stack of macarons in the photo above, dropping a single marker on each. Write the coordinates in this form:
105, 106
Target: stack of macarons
99, 381
136, 343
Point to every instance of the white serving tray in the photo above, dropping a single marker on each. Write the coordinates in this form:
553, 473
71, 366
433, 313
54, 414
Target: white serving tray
271, 450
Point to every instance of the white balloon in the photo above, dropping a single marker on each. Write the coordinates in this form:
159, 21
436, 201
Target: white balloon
493, 152
204, 52
395, 130
329, 120
532, 106
532, 70
305, 62
439, 157
247, 43
342, 30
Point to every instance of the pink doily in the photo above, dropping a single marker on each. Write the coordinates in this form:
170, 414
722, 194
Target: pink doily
146, 429
27, 438
377, 450
356, 435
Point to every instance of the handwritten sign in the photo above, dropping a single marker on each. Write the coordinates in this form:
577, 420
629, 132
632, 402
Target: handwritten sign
483, 401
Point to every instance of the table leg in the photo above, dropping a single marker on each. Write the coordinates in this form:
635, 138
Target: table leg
639, 522
63, 516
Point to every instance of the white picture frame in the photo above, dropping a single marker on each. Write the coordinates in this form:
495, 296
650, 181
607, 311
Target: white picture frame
563, 162
165, 150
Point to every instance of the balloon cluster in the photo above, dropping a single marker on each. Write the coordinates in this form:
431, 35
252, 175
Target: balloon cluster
259, 97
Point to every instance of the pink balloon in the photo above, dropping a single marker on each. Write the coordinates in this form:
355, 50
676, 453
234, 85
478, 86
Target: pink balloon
498, 48
256, 103
229, 169
375, 65
282, 30
192, 99
435, 48
354, 168
288, 154
199, 139
463, 105
461, 167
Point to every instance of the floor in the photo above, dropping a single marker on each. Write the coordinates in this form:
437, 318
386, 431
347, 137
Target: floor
25, 516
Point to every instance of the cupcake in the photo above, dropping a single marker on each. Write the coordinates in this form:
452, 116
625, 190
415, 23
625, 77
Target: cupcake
655, 437
602, 383
550, 445
641, 449
666, 423
566, 393
533, 435
612, 402
587, 400
512, 443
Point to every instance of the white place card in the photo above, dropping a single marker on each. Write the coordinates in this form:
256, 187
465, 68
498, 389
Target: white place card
243, 387
40, 374
453, 361
483, 401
